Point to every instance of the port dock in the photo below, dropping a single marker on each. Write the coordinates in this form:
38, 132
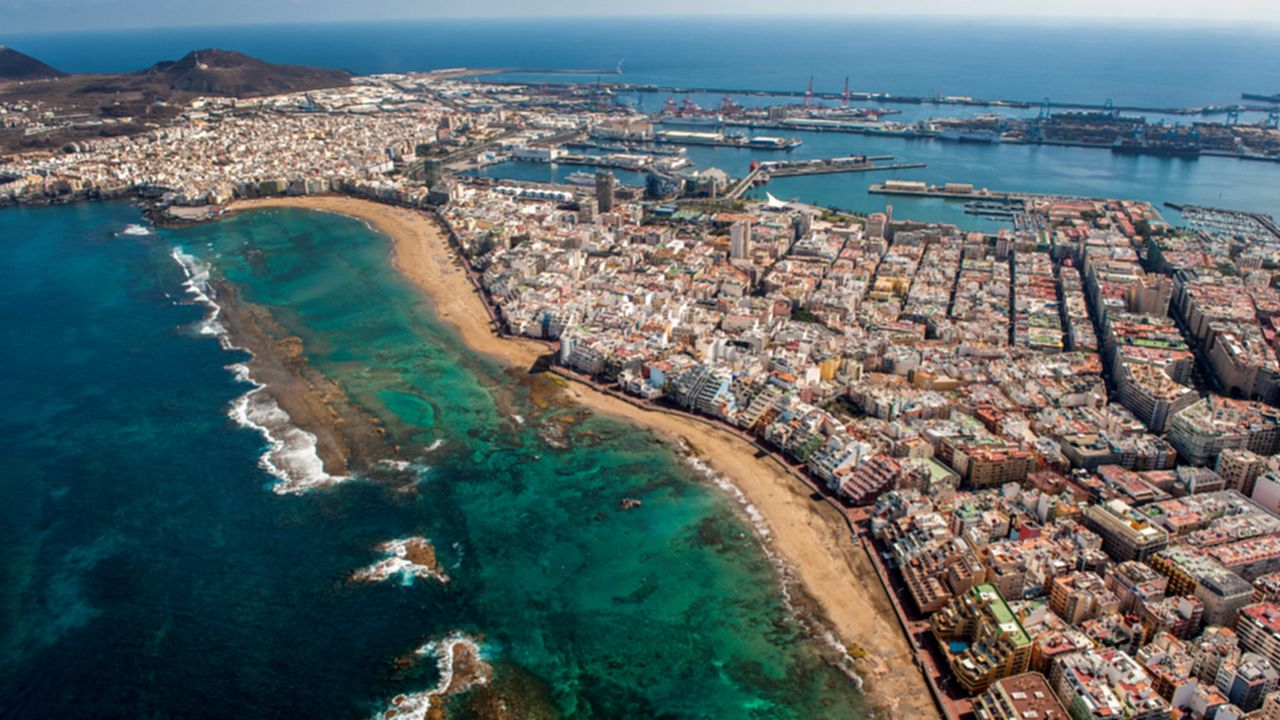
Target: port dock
978, 197
716, 139
831, 167
950, 191
761, 173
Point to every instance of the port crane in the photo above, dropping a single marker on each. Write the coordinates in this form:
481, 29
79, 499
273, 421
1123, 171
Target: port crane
844, 98
687, 107
1035, 133
728, 106
1273, 120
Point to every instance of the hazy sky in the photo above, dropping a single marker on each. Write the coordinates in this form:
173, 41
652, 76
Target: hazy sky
51, 15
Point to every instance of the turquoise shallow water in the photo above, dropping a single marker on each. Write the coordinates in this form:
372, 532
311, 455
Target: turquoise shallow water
152, 573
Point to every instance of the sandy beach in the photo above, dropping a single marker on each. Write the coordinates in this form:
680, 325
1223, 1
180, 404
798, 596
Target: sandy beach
829, 565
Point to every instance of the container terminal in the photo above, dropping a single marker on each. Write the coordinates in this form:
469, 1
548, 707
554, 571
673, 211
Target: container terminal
1121, 129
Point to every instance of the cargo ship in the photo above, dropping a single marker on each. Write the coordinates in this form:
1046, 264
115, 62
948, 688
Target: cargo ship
1158, 148
970, 136
910, 132
1263, 98
691, 137
692, 120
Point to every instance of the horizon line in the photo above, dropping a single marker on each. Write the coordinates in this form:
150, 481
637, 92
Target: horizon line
992, 18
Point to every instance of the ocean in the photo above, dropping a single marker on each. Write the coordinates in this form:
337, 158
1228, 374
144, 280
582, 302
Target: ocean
1150, 64
151, 571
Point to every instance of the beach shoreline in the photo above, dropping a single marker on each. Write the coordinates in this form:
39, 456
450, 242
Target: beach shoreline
827, 564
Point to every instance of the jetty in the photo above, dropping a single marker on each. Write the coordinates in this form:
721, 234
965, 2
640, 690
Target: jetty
761, 173
832, 166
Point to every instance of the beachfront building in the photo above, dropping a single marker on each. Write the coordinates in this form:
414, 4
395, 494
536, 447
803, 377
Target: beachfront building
982, 638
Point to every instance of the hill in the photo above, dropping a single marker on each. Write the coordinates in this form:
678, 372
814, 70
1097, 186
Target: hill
138, 100
229, 73
18, 66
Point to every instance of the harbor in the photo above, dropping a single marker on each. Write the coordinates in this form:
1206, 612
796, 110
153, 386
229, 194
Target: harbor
718, 139
936, 99
831, 166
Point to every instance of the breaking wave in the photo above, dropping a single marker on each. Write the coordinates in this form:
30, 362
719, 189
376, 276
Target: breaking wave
291, 455
785, 571
409, 558
134, 229
461, 667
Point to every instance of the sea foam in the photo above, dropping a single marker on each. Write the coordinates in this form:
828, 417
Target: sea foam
785, 571
409, 558
137, 230
416, 706
291, 455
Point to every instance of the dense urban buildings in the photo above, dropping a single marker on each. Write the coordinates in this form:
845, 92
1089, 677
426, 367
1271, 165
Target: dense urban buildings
1060, 439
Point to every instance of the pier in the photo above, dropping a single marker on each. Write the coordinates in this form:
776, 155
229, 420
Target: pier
765, 171
745, 183
831, 168
951, 191
865, 96
680, 137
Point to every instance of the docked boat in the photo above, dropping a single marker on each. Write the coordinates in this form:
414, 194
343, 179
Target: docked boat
970, 136
581, 178
1158, 148
693, 120
773, 143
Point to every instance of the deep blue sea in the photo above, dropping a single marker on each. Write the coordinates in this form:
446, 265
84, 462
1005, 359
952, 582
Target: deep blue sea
1151, 63
149, 571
